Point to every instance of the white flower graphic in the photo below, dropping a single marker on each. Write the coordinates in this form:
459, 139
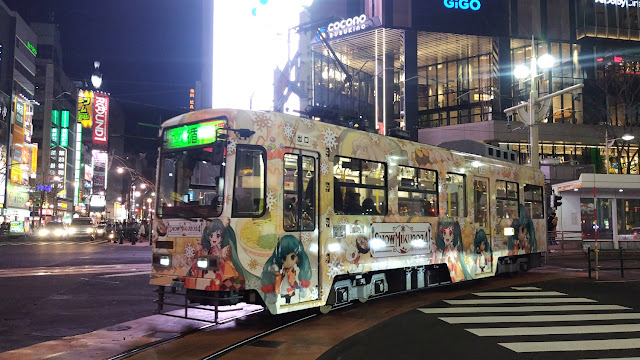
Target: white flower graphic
189, 251
307, 122
324, 168
271, 200
329, 138
288, 131
314, 293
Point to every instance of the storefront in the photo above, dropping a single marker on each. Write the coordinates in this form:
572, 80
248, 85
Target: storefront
608, 204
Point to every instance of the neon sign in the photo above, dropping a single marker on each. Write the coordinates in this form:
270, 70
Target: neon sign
464, 4
347, 26
32, 49
621, 3
193, 135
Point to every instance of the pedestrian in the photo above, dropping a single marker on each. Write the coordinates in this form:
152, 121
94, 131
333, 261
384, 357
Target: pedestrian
142, 231
552, 223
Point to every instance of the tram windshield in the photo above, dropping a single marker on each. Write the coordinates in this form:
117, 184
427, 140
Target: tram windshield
191, 182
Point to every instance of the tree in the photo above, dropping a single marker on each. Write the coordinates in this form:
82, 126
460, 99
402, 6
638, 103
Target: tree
619, 84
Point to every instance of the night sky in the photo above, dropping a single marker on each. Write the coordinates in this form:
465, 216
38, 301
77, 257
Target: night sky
149, 49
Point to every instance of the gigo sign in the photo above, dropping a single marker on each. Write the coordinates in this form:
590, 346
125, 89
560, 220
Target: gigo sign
463, 4
621, 3
347, 26
100, 118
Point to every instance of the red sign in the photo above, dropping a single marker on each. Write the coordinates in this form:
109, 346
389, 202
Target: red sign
100, 118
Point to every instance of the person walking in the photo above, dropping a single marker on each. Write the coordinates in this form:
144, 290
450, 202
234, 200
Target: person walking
142, 231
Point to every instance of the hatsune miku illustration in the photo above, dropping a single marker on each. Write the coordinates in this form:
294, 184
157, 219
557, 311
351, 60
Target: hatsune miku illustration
218, 241
287, 273
523, 241
482, 256
449, 245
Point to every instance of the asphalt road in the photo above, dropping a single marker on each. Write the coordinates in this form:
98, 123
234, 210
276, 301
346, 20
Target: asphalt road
53, 289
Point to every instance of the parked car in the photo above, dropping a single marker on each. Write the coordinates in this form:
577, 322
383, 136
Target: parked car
81, 227
52, 229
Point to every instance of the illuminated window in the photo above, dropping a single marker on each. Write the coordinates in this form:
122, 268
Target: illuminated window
299, 193
456, 195
417, 191
506, 199
533, 201
360, 187
250, 181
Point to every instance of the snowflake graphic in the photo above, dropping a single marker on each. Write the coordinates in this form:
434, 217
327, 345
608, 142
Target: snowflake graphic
307, 122
374, 138
288, 131
392, 194
314, 293
253, 264
324, 168
329, 139
231, 146
262, 121
335, 268
271, 200
189, 251
306, 239
410, 163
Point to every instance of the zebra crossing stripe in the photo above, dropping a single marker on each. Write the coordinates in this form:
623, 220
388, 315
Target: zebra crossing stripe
538, 318
518, 301
525, 288
625, 358
508, 309
578, 345
556, 330
519, 293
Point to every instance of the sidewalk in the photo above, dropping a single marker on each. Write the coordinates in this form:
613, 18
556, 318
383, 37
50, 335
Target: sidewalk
577, 262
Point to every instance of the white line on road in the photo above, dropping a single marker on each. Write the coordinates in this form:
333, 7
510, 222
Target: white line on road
625, 358
127, 274
525, 288
517, 301
519, 293
556, 330
538, 318
511, 309
579, 345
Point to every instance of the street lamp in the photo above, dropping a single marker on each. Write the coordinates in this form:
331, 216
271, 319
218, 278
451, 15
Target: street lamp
96, 77
609, 142
538, 107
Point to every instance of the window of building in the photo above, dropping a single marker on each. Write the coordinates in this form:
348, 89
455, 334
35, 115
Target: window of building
628, 216
299, 192
456, 195
506, 199
417, 191
250, 180
533, 201
360, 186
604, 221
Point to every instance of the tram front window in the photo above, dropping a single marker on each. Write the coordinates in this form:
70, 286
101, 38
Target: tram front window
191, 183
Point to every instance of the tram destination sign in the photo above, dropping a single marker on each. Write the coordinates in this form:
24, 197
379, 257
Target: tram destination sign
193, 135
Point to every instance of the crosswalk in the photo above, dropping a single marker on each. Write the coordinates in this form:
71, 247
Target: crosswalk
531, 321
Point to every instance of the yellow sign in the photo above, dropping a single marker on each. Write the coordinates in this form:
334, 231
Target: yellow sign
85, 109
34, 158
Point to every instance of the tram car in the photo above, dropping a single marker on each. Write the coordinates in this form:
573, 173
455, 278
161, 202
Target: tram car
292, 213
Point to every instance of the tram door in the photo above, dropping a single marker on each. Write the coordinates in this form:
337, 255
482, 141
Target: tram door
482, 219
300, 218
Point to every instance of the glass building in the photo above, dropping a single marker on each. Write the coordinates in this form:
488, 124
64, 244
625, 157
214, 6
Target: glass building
443, 71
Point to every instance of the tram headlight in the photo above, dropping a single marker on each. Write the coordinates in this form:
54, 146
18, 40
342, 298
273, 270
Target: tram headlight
203, 262
165, 260
43, 232
509, 231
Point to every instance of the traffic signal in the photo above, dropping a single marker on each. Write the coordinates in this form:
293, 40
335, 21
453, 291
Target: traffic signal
557, 200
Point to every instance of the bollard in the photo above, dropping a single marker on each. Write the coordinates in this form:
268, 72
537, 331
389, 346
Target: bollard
589, 261
621, 264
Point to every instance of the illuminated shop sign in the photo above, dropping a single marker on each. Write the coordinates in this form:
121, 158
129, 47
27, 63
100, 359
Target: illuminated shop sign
349, 26
463, 4
621, 3
100, 118
193, 135
32, 49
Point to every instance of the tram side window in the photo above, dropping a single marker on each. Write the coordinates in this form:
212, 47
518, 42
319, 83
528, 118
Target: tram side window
417, 191
533, 201
506, 199
456, 195
248, 194
360, 186
299, 193
481, 202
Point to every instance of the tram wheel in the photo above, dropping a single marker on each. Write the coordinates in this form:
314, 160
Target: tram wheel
325, 309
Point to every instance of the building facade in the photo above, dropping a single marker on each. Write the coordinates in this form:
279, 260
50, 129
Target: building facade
444, 71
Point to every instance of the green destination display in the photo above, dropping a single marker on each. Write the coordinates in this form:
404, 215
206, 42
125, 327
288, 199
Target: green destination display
193, 135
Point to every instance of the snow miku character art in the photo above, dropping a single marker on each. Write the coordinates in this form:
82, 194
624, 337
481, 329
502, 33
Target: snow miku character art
287, 272
450, 248
482, 256
523, 241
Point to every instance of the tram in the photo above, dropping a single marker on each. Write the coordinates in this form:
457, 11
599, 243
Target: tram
292, 213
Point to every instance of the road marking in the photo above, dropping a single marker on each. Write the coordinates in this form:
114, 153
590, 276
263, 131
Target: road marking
538, 318
519, 293
508, 309
127, 274
525, 288
556, 330
626, 358
516, 301
578, 345
67, 270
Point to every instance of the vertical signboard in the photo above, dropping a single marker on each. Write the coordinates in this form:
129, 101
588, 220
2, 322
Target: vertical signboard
85, 108
5, 116
99, 162
100, 118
